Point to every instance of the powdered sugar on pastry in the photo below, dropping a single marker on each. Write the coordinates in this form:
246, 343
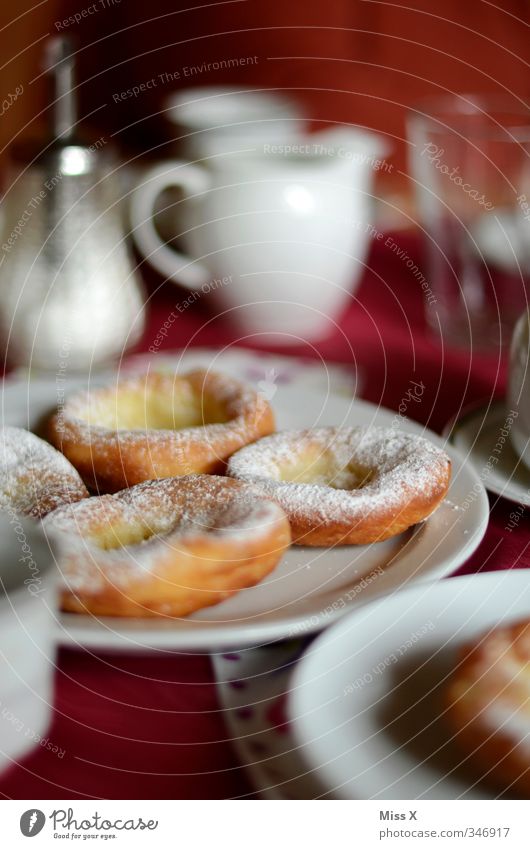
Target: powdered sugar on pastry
158, 425
488, 705
346, 485
34, 477
167, 546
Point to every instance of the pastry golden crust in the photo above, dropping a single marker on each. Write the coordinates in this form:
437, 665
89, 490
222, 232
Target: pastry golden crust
157, 426
34, 477
166, 547
488, 706
342, 486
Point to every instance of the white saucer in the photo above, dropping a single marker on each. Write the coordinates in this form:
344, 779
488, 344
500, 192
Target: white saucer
367, 698
482, 436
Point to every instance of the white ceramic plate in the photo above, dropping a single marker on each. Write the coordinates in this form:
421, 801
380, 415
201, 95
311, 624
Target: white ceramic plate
312, 586
369, 725
481, 434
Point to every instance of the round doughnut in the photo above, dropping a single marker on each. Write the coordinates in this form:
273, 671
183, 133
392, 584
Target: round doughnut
347, 485
166, 547
34, 477
157, 426
488, 706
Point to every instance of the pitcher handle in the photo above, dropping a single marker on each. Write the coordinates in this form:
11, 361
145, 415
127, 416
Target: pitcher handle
172, 264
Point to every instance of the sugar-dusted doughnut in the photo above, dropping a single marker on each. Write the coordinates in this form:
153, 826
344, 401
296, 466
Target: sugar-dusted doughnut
488, 706
346, 485
166, 547
158, 425
34, 477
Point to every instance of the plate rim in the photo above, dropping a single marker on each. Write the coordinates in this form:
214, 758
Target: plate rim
468, 415
298, 705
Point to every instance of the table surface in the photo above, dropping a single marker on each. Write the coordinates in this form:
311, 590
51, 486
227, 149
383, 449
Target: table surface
137, 727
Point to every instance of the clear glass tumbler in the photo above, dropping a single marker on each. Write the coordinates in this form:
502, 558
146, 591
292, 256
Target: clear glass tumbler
470, 163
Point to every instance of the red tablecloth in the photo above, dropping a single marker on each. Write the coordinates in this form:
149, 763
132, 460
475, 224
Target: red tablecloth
150, 726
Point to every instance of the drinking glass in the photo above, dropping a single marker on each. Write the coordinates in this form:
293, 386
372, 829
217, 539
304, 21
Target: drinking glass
470, 164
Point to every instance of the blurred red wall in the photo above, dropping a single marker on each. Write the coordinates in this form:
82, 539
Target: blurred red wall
360, 61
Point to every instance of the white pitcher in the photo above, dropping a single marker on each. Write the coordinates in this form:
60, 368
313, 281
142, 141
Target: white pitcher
281, 229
